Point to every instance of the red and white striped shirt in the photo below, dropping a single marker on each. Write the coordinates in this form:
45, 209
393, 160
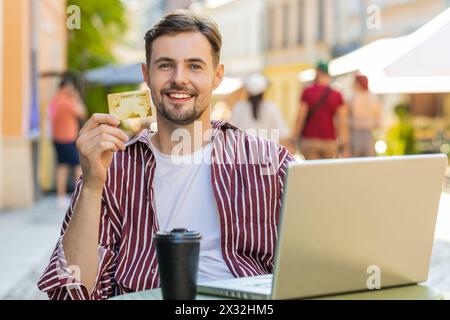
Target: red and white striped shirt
247, 177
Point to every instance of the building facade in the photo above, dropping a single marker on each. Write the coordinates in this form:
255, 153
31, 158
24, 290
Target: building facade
170, 5
16, 98
1, 105
363, 21
243, 29
300, 32
33, 42
242, 24
50, 39
141, 16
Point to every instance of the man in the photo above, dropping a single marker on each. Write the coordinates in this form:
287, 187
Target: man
66, 110
315, 125
130, 191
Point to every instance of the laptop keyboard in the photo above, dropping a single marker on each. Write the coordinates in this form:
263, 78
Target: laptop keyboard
257, 287
266, 284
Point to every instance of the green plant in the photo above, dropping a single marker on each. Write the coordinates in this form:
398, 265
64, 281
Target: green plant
103, 23
401, 137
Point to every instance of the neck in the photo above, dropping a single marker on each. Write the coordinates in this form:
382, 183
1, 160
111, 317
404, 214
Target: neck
181, 140
322, 81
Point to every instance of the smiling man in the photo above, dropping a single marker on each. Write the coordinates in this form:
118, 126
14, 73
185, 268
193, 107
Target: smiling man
222, 182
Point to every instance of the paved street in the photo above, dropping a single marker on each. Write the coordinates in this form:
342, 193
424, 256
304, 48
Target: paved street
27, 238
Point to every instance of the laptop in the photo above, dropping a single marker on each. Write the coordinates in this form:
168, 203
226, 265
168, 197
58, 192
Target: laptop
347, 225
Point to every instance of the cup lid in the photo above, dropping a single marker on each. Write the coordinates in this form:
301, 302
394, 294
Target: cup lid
179, 234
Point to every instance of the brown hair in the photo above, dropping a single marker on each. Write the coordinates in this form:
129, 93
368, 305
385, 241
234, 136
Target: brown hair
185, 21
363, 81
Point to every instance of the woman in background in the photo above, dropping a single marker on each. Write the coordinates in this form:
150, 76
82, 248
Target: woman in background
365, 117
258, 116
66, 110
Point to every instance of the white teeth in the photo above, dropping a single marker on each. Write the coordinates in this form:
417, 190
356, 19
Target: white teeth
179, 95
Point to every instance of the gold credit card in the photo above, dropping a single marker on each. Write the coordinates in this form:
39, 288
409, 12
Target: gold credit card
130, 105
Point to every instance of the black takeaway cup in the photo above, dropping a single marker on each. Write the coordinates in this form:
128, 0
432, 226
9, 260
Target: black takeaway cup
178, 254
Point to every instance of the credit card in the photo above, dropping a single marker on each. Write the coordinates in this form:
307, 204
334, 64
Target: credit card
130, 104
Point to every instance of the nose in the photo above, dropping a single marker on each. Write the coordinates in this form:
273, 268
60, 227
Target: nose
180, 76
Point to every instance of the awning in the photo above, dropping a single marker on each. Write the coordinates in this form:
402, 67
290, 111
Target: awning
116, 75
415, 63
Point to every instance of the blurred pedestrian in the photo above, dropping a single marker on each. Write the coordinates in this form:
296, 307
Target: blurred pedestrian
66, 110
320, 107
365, 117
257, 115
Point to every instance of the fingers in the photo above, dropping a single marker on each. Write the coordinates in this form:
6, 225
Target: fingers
106, 146
107, 129
101, 128
102, 142
99, 119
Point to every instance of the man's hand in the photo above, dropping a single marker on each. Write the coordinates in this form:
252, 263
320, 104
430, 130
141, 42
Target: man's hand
98, 140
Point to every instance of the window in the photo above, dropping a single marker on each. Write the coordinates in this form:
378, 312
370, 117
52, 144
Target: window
286, 25
271, 28
300, 21
321, 20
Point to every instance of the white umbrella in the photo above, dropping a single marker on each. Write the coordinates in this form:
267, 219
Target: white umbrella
412, 64
228, 85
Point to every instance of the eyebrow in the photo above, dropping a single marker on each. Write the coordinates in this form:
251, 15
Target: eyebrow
167, 59
199, 60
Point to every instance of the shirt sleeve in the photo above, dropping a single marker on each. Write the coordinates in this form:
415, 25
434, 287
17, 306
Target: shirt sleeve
305, 96
61, 281
284, 159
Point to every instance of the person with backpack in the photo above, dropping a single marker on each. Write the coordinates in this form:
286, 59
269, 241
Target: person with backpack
321, 128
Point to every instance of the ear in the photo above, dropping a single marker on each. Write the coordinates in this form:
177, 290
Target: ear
218, 77
145, 74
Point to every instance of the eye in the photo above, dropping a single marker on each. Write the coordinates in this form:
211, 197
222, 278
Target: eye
195, 66
164, 66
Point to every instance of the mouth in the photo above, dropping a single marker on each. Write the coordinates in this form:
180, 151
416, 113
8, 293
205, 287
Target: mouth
179, 96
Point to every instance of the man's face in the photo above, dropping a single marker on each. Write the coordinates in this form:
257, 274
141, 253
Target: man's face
182, 76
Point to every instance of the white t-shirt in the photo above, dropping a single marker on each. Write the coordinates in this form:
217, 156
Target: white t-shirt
269, 118
184, 199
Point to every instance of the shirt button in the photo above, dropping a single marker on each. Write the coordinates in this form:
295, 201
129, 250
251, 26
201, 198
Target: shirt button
153, 271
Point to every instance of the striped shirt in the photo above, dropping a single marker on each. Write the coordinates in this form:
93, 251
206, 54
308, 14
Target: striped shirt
247, 177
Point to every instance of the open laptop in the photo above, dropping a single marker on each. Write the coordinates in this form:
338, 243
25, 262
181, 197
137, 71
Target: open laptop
346, 221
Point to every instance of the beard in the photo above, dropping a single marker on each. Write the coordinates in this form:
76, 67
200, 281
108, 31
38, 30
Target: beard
179, 118
174, 112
